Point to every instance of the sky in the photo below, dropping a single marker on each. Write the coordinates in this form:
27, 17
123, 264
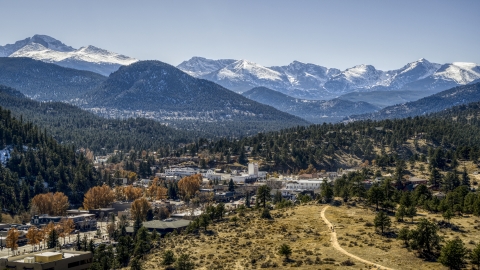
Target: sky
332, 33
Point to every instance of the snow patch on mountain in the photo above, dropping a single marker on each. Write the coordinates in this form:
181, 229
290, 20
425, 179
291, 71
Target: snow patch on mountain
50, 50
199, 66
245, 70
87, 54
459, 72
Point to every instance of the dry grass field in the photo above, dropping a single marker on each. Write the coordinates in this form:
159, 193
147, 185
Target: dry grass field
253, 243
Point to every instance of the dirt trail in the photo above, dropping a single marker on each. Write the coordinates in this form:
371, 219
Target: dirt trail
339, 248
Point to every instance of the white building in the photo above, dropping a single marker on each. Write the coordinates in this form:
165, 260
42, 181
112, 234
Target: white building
211, 175
304, 184
253, 169
181, 172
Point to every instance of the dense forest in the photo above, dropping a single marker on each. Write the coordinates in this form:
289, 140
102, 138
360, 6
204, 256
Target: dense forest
34, 162
44, 81
70, 125
455, 131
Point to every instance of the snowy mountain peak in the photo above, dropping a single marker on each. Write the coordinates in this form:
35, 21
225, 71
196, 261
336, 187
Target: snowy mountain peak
458, 72
51, 43
199, 66
243, 69
50, 50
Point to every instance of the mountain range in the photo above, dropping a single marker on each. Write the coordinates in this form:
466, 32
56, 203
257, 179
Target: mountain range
196, 94
311, 81
146, 89
50, 50
169, 95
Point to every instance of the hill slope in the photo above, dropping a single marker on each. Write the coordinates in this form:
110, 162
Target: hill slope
315, 111
73, 126
32, 160
434, 103
45, 82
383, 99
346, 145
165, 93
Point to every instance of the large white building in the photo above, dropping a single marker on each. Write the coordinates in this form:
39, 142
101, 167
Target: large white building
304, 184
181, 172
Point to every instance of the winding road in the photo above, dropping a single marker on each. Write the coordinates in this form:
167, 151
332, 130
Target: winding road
339, 248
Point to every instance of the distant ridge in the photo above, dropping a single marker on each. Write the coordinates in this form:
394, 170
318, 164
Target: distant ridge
44, 81
315, 111
455, 96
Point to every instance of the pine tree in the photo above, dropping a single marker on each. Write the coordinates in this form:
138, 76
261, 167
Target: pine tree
465, 178
247, 200
52, 241
453, 254
382, 221
136, 226
231, 186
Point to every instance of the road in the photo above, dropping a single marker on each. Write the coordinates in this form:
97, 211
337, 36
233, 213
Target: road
339, 248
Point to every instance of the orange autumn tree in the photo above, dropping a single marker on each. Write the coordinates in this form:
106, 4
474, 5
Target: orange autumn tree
132, 193
98, 197
66, 227
155, 191
189, 185
12, 239
60, 204
140, 209
34, 236
51, 203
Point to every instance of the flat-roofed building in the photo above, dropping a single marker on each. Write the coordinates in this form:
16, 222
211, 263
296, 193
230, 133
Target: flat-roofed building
49, 260
164, 226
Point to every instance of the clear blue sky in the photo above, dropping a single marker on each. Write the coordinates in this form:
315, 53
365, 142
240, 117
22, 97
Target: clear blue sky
341, 34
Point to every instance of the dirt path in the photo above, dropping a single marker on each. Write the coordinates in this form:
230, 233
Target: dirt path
339, 248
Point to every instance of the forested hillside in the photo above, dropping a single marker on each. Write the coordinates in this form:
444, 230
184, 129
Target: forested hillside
43, 81
32, 162
72, 126
456, 132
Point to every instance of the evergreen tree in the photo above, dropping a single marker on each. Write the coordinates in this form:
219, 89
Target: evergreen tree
375, 195
475, 256
401, 213
382, 221
247, 200
453, 254
184, 263
411, 212
137, 225
231, 186
52, 241
142, 242
326, 191
263, 195
168, 257
465, 178
425, 237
